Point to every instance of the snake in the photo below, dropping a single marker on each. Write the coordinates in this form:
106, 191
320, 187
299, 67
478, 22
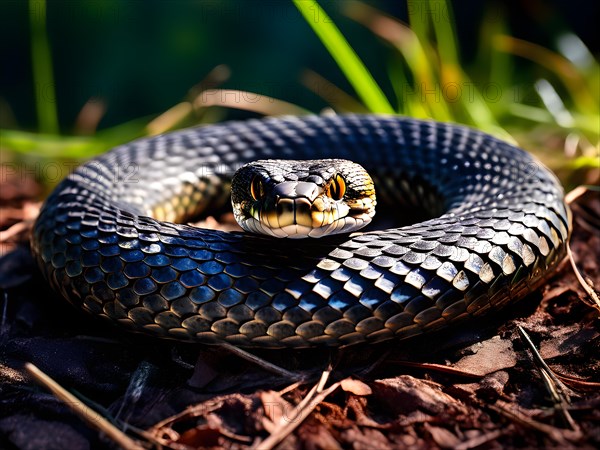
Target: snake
477, 224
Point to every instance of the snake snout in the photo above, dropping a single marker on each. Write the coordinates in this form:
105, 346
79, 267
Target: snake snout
300, 209
296, 189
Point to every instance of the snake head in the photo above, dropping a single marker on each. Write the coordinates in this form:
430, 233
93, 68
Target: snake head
298, 199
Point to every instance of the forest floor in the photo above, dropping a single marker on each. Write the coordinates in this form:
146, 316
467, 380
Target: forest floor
527, 378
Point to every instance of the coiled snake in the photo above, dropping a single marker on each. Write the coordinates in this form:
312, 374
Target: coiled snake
494, 226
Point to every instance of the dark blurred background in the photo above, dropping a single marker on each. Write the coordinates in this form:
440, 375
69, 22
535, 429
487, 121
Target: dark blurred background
142, 57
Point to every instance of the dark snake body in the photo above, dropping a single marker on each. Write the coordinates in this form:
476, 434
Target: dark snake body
503, 227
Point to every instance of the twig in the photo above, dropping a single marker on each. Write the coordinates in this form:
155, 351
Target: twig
584, 284
479, 440
569, 199
575, 194
247, 101
269, 366
558, 399
88, 415
14, 230
299, 413
290, 388
169, 119
556, 434
556, 388
165, 425
437, 368
367, 370
300, 406
329, 92
537, 357
578, 383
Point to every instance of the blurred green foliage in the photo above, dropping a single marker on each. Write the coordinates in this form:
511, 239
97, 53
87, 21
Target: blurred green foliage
87, 76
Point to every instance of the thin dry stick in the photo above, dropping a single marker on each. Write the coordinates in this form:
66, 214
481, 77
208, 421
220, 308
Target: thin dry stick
261, 362
477, 441
437, 368
584, 284
247, 101
88, 415
367, 370
290, 388
300, 406
559, 436
169, 119
14, 230
558, 399
575, 194
538, 358
570, 198
329, 92
556, 388
304, 408
165, 425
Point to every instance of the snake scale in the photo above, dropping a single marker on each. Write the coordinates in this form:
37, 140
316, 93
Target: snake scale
492, 224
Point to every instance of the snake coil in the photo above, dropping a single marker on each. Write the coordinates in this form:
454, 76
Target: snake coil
495, 226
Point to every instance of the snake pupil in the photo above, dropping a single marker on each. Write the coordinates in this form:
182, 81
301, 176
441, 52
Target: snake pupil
337, 188
257, 188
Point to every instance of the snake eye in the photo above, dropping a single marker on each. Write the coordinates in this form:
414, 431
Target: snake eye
337, 188
257, 187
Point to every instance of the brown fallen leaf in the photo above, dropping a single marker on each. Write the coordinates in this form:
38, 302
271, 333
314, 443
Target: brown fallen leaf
355, 387
491, 386
442, 436
488, 357
405, 394
370, 439
566, 340
228, 417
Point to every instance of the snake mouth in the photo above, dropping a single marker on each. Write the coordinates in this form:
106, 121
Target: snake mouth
299, 218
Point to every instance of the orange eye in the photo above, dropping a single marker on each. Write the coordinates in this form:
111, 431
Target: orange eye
257, 187
337, 188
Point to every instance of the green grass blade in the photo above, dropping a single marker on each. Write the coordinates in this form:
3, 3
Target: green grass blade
417, 88
476, 109
443, 27
50, 145
46, 145
572, 79
585, 162
500, 64
345, 57
45, 98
